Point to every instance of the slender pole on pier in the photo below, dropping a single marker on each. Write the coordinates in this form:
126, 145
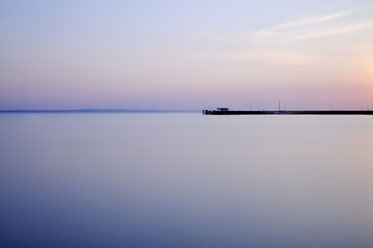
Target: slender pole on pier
279, 104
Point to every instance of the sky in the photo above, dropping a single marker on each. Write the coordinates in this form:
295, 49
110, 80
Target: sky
186, 54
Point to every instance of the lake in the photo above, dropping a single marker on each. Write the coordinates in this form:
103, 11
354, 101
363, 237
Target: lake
185, 180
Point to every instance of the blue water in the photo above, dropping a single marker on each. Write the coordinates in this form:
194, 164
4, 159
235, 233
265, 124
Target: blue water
185, 180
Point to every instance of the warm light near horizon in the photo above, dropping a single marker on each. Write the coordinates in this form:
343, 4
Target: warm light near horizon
370, 71
365, 73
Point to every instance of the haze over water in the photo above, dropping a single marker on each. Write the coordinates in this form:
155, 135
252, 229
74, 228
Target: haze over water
185, 180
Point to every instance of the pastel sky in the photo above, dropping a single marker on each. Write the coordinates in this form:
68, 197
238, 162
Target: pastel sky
186, 54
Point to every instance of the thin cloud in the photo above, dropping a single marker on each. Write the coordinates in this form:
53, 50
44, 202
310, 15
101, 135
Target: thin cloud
279, 57
333, 31
309, 28
310, 21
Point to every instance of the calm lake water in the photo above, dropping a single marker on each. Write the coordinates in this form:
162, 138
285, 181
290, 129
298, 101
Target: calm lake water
185, 180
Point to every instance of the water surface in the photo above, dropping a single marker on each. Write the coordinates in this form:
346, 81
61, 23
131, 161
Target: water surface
185, 180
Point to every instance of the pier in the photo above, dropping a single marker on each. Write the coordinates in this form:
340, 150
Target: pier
226, 111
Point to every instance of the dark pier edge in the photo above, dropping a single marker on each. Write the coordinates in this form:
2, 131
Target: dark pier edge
226, 111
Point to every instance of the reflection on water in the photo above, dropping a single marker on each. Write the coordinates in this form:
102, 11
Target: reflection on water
185, 180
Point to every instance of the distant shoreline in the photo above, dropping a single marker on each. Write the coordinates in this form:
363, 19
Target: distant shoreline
95, 111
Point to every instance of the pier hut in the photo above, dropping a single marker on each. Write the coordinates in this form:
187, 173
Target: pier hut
222, 109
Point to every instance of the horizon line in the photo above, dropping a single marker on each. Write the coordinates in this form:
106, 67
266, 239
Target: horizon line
96, 110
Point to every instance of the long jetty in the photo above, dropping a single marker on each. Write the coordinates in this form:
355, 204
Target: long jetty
225, 111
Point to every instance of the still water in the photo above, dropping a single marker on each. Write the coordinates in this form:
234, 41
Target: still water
185, 180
